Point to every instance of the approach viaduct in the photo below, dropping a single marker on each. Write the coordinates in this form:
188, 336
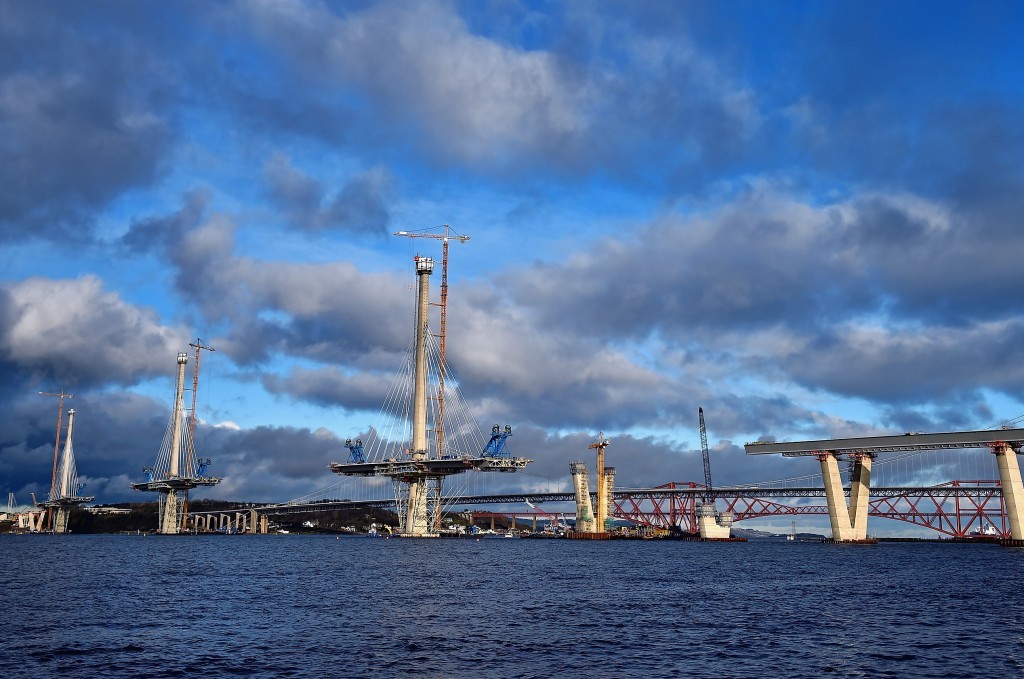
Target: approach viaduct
849, 520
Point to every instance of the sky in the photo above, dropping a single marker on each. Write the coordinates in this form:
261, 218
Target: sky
804, 217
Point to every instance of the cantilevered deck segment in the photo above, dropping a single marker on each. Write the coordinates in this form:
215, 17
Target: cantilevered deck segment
438, 466
1014, 438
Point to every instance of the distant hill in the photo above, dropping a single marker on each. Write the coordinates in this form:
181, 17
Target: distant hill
754, 534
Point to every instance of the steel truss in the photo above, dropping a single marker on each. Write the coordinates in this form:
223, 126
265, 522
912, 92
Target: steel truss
957, 508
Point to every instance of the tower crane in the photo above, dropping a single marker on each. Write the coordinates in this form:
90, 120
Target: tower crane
708, 497
198, 345
444, 236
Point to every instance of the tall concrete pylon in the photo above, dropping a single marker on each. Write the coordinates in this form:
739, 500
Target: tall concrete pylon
601, 512
849, 521
64, 494
169, 515
416, 524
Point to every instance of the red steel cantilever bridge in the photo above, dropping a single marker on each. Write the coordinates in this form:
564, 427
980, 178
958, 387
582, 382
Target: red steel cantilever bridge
957, 508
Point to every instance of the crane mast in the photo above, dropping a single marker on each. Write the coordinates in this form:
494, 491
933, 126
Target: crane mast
198, 345
708, 498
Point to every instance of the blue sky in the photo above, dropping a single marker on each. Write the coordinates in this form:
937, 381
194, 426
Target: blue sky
803, 216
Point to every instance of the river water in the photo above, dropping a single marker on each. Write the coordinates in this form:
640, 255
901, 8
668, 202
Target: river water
318, 606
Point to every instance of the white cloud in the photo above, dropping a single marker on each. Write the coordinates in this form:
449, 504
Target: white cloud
77, 330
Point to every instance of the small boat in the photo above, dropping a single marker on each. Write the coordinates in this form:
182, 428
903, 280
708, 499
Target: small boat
987, 531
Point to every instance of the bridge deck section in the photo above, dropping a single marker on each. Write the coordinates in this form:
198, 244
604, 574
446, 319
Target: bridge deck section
892, 443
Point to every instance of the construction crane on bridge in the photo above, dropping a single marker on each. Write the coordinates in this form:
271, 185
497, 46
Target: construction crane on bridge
708, 497
198, 345
444, 236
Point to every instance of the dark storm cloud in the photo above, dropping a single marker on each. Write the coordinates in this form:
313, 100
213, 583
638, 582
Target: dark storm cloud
161, 234
917, 364
81, 118
116, 435
262, 106
358, 207
957, 411
936, 262
282, 454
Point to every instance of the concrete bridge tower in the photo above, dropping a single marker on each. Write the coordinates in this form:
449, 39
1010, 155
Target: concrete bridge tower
416, 524
585, 521
64, 492
175, 472
440, 443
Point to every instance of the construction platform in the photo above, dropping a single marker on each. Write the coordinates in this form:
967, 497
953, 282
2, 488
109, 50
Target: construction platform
177, 483
436, 466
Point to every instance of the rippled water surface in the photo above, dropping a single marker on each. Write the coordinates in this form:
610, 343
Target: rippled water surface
98, 606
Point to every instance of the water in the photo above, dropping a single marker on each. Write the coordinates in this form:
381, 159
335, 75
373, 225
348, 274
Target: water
296, 606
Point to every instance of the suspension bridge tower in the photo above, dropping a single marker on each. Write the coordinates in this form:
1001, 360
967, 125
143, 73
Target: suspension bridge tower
416, 462
176, 470
64, 491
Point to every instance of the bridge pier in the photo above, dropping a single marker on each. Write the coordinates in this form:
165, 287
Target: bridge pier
847, 528
585, 522
860, 490
1013, 490
712, 527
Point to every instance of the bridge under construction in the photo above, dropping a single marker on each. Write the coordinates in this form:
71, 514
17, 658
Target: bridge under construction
849, 518
955, 509
177, 469
416, 463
